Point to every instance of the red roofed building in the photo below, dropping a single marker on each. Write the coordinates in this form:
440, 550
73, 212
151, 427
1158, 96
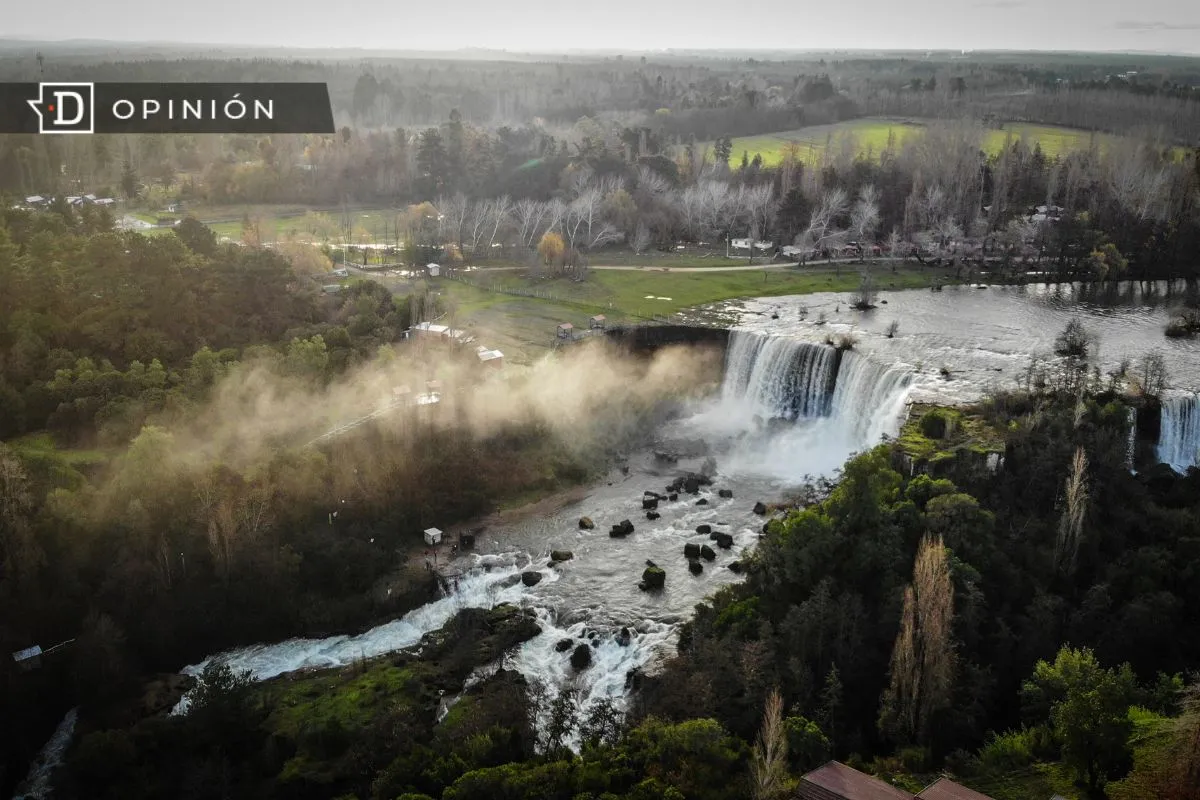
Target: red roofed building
836, 781
946, 789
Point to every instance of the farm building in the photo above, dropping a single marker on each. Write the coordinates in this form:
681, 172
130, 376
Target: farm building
744, 244
598, 323
433, 536
433, 269
565, 330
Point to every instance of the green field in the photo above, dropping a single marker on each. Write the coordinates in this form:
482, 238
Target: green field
524, 327
869, 137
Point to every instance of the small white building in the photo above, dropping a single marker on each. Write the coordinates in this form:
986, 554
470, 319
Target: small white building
490, 358
433, 536
29, 658
433, 269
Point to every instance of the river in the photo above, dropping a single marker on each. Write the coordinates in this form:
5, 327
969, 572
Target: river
777, 366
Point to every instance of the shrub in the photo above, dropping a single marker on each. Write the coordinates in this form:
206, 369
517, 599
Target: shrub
935, 424
1073, 341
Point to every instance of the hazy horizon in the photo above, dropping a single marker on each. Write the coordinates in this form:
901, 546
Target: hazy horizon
541, 26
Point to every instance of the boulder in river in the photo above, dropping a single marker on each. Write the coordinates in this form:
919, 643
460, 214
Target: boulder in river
561, 555
563, 645
665, 457
695, 567
691, 485
704, 529
582, 657
673, 496
586, 524
653, 578
621, 529
531, 578
703, 501
707, 553
649, 503
760, 509
726, 493
624, 636
691, 550
652, 515
724, 541
736, 567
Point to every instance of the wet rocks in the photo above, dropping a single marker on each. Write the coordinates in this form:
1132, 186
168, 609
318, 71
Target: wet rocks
586, 524
691, 486
621, 529
695, 567
673, 496
665, 457
531, 578
561, 555
703, 501
649, 503
691, 550
653, 579
723, 540
704, 529
725, 493
735, 567
707, 553
563, 645
652, 515
624, 636
581, 658
689, 483
760, 509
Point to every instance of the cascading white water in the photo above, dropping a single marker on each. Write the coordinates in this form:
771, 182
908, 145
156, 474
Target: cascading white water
37, 784
772, 376
1179, 432
491, 581
1131, 441
840, 402
869, 397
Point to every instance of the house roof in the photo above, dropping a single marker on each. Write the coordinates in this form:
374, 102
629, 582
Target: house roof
27, 653
946, 789
836, 781
433, 530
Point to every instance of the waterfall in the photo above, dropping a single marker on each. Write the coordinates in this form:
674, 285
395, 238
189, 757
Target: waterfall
869, 396
37, 784
771, 376
1131, 442
1179, 434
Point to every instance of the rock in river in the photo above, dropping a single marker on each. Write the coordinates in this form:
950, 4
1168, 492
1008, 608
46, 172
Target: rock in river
760, 509
586, 524
691, 550
621, 529
695, 567
561, 555
582, 657
531, 578
653, 578
563, 645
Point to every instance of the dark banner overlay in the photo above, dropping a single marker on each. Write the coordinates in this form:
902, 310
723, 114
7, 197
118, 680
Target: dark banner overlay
165, 108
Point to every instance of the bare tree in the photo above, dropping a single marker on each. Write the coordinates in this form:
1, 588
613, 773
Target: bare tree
768, 765
923, 659
1070, 524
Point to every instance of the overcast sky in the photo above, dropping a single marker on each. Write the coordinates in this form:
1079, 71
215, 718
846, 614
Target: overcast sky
558, 25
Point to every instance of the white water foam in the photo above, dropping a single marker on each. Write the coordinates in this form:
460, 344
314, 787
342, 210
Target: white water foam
1179, 432
37, 784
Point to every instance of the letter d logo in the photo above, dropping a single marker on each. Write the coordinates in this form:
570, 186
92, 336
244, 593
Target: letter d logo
65, 107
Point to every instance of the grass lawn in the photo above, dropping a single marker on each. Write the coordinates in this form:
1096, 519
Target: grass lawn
524, 327
48, 462
870, 137
649, 293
